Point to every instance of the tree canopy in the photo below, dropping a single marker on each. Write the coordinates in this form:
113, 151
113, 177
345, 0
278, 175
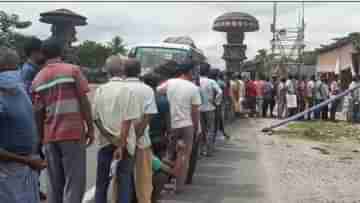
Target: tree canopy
8, 25
93, 54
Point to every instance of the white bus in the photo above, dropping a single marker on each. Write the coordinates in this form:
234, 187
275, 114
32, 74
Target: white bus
152, 55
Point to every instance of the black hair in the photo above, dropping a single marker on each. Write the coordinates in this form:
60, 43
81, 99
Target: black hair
213, 74
167, 70
221, 75
51, 49
184, 68
204, 69
313, 77
31, 45
132, 68
152, 79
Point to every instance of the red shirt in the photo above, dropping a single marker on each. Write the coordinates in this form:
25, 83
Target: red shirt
56, 89
251, 90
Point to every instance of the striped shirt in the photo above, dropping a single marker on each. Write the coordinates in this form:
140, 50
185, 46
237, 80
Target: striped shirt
56, 90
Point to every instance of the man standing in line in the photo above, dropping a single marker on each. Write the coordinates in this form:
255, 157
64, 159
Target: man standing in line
251, 94
235, 94
65, 123
28, 71
143, 160
259, 84
325, 91
282, 91
184, 98
275, 84
34, 60
19, 139
301, 94
334, 90
267, 95
319, 96
115, 109
211, 94
242, 93
355, 99
291, 94
309, 94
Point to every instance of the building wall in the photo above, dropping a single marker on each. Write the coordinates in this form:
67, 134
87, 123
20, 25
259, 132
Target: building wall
327, 60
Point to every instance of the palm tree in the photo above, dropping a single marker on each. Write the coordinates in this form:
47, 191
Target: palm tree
117, 46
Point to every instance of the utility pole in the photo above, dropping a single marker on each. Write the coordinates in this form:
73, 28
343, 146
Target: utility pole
273, 41
287, 45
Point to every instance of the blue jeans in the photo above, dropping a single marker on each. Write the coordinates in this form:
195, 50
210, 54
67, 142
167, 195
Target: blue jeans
317, 112
124, 173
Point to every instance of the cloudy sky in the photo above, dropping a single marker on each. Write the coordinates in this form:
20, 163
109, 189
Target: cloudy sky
152, 22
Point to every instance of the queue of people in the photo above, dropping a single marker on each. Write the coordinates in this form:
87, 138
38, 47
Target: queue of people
290, 95
152, 128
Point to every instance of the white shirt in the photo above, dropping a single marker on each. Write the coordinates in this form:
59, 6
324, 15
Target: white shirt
113, 103
146, 99
310, 88
242, 90
182, 95
210, 93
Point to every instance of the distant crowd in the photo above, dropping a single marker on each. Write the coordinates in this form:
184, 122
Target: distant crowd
284, 97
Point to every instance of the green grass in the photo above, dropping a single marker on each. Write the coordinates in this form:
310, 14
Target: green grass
321, 131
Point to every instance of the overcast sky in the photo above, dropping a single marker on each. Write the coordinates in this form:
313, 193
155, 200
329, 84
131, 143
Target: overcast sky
153, 22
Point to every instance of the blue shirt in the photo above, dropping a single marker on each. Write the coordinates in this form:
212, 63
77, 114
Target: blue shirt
28, 72
17, 124
158, 122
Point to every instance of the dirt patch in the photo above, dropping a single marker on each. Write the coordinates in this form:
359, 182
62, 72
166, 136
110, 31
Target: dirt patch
327, 132
313, 162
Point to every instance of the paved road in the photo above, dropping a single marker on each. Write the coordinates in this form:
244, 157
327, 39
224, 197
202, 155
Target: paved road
234, 175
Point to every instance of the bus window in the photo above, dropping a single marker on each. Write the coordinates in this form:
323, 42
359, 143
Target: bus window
151, 57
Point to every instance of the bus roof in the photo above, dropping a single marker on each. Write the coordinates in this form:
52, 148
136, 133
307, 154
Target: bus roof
169, 45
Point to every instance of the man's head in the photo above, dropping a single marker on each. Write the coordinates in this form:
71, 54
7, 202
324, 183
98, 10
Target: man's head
114, 65
32, 50
9, 59
204, 69
213, 74
185, 71
152, 79
167, 70
51, 49
132, 68
313, 77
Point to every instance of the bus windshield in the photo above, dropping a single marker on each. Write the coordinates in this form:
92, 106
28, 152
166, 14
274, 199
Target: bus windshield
151, 57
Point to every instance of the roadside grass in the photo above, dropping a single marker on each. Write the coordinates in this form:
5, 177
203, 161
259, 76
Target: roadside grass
321, 131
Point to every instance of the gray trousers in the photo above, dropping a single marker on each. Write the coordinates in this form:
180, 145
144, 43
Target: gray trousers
208, 129
66, 171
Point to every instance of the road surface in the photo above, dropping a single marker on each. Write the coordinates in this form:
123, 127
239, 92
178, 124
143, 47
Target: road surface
234, 175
